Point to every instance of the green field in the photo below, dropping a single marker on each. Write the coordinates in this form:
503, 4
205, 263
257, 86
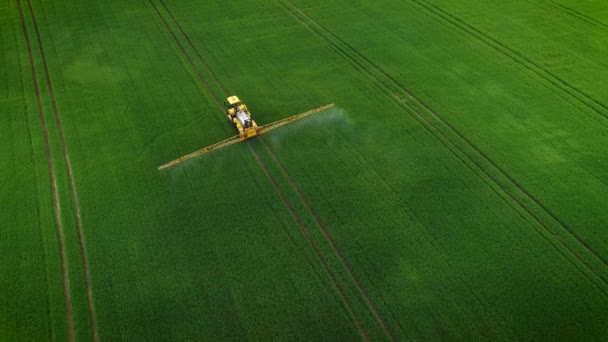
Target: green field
458, 190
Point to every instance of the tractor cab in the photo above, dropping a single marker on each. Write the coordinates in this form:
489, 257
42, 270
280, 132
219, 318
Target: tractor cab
239, 115
234, 105
233, 101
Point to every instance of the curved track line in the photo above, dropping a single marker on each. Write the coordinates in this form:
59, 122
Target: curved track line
433, 129
474, 147
332, 244
578, 15
409, 106
313, 269
196, 52
57, 206
348, 306
370, 304
309, 239
70, 173
518, 58
185, 54
422, 104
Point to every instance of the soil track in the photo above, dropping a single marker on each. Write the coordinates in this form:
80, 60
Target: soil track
185, 55
198, 54
54, 189
70, 173
587, 100
278, 190
505, 185
370, 304
309, 239
578, 15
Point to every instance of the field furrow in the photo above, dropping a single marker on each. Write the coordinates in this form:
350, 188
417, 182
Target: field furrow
578, 15
501, 180
330, 241
454, 188
54, 188
72, 184
186, 55
198, 54
595, 105
295, 188
306, 234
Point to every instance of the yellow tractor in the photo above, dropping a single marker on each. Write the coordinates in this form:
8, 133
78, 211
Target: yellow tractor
240, 116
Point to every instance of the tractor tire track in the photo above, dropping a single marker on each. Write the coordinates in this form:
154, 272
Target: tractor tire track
328, 237
196, 52
318, 275
36, 194
70, 174
451, 139
309, 239
370, 304
409, 94
596, 106
413, 218
186, 56
65, 277
578, 15
304, 231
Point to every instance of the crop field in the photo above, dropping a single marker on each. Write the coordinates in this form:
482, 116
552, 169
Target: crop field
457, 190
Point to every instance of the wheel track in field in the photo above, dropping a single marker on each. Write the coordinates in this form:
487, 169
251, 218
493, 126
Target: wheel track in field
36, 194
304, 231
65, 277
71, 181
530, 66
558, 83
198, 54
413, 218
309, 240
578, 15
318, 275
452, 139
397, 96
295, 188
197, 73
372, 307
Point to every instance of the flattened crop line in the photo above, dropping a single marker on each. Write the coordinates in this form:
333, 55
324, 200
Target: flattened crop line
299, 193
559, 83
370, 304
70, 173
65, 277
578, 15
364, 334
183, 50
442, 130
310, 241
196, 52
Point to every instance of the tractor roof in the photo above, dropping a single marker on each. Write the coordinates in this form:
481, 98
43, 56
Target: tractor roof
233, 100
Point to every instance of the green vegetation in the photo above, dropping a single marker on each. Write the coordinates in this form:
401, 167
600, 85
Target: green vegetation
457, 190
